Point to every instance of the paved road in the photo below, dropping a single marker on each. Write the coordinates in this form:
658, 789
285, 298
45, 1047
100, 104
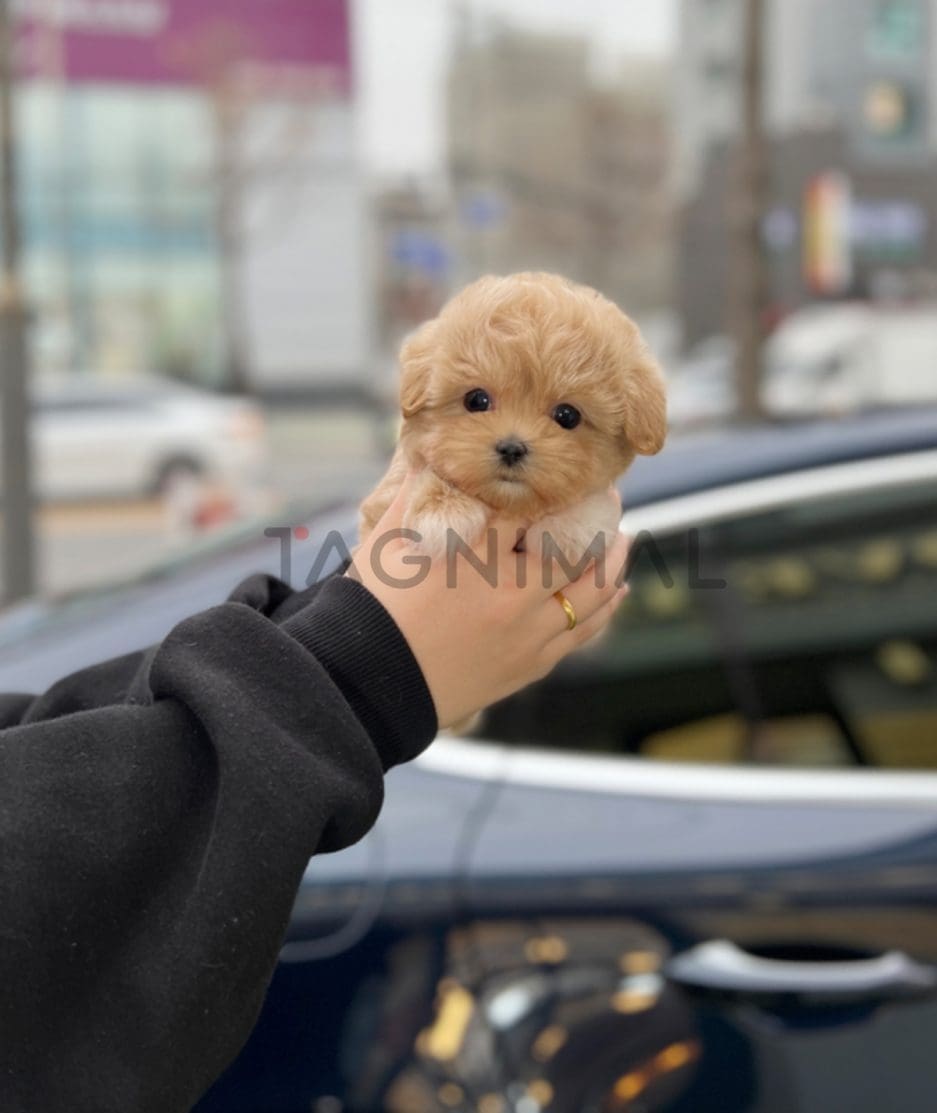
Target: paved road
317, 457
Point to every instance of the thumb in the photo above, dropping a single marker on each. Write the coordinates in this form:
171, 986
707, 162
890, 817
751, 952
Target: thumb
391, 520
393, 516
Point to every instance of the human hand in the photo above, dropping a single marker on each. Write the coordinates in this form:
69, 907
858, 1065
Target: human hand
482, 632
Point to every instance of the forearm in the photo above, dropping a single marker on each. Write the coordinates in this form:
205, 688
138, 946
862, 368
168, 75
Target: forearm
153, 847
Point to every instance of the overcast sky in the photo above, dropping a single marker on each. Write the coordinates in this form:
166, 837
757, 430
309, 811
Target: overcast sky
401, 49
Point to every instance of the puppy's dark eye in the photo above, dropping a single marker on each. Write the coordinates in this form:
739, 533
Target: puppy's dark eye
567, 416
477, 401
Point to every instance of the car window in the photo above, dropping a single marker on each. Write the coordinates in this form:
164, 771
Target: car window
801, 636
95, 405
791, 740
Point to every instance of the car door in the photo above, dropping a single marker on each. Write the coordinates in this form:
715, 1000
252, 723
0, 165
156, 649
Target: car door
713, 885
93, 445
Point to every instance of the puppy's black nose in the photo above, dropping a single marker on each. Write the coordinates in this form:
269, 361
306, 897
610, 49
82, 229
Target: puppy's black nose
511, 452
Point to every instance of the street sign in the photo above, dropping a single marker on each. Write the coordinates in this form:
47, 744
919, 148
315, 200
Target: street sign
179, 42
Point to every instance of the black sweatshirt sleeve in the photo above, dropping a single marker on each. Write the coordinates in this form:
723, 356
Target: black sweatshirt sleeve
156, 815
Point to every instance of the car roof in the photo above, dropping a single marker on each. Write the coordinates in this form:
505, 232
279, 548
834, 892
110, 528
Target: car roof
50, 387
702, 461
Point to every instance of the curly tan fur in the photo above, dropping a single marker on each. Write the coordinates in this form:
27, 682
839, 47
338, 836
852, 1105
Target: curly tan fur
532, 341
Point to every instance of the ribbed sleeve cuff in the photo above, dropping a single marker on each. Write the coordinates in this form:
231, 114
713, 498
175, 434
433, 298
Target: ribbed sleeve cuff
361, 647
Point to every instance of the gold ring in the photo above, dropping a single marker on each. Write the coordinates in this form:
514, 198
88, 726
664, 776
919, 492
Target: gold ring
568, 608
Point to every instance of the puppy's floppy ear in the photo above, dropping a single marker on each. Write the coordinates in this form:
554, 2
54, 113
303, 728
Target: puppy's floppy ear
416, 368
646, 405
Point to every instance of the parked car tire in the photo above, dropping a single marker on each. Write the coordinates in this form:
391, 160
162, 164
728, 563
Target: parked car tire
175, 472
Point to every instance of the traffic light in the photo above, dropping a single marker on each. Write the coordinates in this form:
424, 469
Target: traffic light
892, 94
896, 28
888, 109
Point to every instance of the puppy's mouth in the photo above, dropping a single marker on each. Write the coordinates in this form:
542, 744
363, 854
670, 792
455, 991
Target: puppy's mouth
508, 487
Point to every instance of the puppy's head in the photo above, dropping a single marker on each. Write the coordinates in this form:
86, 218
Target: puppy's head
530, 391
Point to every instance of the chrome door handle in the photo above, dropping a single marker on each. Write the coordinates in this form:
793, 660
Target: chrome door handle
720, 967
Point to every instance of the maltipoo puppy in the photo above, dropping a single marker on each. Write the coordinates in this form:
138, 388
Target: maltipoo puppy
525, 397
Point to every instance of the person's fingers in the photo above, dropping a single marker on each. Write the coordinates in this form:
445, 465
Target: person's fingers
614, 501
595, 562
524, 555
568, 640
603, 578
391, 520
618, 556
583, 600
600, 618
393, 516
543, 565
591, 594
555, 571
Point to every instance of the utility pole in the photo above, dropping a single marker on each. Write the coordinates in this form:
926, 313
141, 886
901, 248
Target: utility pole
468, 140
18, 545
748, 197
231, 115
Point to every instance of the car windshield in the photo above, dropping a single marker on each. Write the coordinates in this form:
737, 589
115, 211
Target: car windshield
232, 544
803, 634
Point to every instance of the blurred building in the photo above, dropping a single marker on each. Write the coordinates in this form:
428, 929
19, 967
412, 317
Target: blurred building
414, 260
851, 116
191, 198
866, 67
551, 171
708, 78
873, 67
838, 227
632, 215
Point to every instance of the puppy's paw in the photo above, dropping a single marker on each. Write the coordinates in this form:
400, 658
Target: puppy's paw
443, 526
582, 532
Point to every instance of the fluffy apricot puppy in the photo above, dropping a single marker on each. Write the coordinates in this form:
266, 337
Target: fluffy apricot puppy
525, 397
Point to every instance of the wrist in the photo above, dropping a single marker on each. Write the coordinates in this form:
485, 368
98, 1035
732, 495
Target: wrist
370, 661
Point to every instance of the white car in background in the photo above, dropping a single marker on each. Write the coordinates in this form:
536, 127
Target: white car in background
701, 387
823, 360
852, 357
96, 436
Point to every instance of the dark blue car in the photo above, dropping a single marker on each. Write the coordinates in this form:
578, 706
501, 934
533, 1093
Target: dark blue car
694, 870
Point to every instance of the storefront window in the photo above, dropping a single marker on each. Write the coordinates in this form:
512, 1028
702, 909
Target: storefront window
120, 229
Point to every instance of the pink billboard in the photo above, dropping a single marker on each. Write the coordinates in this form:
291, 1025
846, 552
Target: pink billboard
181, 42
